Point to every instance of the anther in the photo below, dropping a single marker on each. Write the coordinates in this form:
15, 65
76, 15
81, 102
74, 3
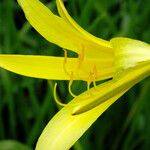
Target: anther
81, 57
89, 83
95, 71
70, 83
95, 75
65, 61
58, 101
94, 83
65, 55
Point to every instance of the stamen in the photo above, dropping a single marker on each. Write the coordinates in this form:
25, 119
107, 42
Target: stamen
65, 61
65, 55
95, 71
58, 101
89, 83
95, 75
69, 87
94, 83
81, 57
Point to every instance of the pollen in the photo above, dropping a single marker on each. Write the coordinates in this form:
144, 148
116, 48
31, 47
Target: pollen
90, 78
89, 81
95, 75
65, 62
81, 57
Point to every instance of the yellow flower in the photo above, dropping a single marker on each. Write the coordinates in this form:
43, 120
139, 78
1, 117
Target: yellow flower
95, 55
125, 60
68, 125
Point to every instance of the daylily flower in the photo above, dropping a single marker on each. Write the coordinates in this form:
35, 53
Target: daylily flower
124, 60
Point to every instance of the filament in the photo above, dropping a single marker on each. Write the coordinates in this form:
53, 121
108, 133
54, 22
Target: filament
81, 57
95, 75
69, 87
89, 83
58, 101
65, 55
65, 61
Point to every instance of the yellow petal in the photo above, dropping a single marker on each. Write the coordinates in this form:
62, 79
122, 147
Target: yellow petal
64, 14
49, 67
124, 82
68, 125
129, 52
65, 129
58, 31
132, 61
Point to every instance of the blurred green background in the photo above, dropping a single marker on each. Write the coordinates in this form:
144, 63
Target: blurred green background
27, 104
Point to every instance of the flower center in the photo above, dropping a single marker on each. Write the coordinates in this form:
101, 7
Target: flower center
91, 76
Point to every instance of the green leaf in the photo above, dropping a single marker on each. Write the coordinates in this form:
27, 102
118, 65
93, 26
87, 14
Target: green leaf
13, 145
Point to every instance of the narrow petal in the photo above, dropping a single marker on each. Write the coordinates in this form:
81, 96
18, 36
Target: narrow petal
65, 128
58, 31
64, 14
126, 80
129, 52
69, 124
132, 64
49, 67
